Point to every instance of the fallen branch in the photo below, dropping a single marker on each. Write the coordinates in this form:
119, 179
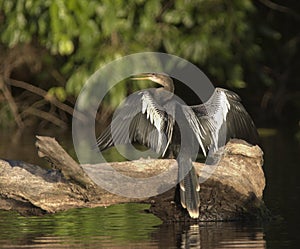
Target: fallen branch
234, 191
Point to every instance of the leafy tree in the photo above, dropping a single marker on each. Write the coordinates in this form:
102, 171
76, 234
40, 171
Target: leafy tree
224, 38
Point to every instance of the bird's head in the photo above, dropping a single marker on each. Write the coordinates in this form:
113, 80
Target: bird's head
159, 78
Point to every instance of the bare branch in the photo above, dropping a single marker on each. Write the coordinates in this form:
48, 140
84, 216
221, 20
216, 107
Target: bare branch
11, 102
45, 115
280, 8
46, 96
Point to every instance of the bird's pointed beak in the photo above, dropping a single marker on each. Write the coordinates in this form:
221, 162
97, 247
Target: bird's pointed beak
143, 76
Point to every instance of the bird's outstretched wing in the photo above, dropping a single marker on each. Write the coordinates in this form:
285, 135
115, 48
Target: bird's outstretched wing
139, 119
213, 123
223, 117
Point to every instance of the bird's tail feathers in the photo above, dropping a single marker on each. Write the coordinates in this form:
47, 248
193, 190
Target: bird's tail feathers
189, 192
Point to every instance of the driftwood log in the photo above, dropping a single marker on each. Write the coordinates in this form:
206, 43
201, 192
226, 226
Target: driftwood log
234, 191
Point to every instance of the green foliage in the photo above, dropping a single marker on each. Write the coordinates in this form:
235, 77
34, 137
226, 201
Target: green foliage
58, 92
212, 34
228, 40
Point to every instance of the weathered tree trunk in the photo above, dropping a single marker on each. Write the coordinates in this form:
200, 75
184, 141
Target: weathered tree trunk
234, 190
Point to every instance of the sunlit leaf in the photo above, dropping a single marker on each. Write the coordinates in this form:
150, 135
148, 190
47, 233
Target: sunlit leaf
58, 92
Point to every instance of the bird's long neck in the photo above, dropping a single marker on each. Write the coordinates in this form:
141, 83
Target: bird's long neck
168, 85
166, 92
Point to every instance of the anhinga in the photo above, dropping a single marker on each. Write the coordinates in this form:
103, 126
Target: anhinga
154, 118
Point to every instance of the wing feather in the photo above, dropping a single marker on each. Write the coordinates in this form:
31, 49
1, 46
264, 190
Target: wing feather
195, 125
223, 117
140, 119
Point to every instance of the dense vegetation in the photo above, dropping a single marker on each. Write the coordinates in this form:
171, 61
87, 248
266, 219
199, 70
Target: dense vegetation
48, 48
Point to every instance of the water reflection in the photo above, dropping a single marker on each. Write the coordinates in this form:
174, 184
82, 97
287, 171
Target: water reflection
121, 226
117, 226
191, 237
210, 235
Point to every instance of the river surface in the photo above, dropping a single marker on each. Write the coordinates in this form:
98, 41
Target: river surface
129, 226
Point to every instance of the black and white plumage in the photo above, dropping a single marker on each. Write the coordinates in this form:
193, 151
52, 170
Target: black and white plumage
148, 117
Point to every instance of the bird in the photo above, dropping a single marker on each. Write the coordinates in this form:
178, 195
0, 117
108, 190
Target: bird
154, 117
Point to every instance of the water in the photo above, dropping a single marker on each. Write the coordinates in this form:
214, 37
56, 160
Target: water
115, 226
129, 226
122, 226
